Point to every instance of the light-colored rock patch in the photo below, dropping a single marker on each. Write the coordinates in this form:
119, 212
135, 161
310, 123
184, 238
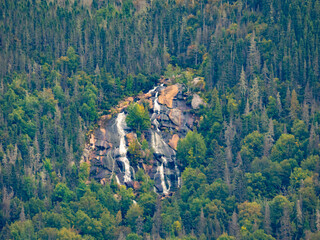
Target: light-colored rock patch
167, 95
173, 142
197, 101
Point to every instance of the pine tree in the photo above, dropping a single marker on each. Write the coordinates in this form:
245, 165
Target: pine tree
267, 221
6, 200
217, 228
269, 139
234, 229
247, 109
228, 151
139, 225
254, 57
227, 177
287, 100
305, 112
318, 220
285, 229
266, 79
239, 183
312, 139
299, 216
121, 236
22, 215
254, 94
294, 106
243, 83
202, 223
156, 221
279, 105
264, 120
308, 94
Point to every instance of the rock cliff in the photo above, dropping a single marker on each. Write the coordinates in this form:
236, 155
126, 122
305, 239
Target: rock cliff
171, 118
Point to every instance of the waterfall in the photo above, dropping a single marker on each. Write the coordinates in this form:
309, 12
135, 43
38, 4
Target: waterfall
121, 123
108, 149
118, 181
160, 171
178, 174
156, 105
156, 112
158, 143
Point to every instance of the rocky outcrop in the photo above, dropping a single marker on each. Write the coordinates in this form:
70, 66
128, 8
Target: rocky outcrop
198, 83
131, 137
175, 116
197, 101
167, 95
173, 142
171, 119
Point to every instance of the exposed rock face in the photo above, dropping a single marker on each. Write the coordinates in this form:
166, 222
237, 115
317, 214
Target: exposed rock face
175, 116
130, 137
197, 101
199, 83
173, 142
171, 120
167, 95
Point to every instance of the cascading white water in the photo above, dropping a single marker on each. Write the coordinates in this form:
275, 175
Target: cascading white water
156, 112
157, 141
121, 123
156, 105
165, 170
178, 174
153, 89
160, 170
117, 179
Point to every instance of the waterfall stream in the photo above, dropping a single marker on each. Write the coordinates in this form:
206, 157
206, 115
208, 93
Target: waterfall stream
109, 151
158, 143
121, 123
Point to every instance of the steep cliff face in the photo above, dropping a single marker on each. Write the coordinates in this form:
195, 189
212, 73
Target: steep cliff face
171, 118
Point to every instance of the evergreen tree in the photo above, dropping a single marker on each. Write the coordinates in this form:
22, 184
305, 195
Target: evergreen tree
243, 83
294, 106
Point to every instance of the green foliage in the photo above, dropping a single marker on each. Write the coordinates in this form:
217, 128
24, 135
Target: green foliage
132, 215
148, 203
126, 199
22, 230
133, 236
272, 108
312, 163
55, 220
257, 184
108, 225
65, 234
286, 147
225, 236
252, 146
86, 225
193, 183
134, 151
191, 150
84, 171
90, 205
138, 117
277, 206
298, 176
258, 234
249, 214
62, 193
217, 190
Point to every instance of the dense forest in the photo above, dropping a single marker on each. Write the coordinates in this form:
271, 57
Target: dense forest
250, 168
